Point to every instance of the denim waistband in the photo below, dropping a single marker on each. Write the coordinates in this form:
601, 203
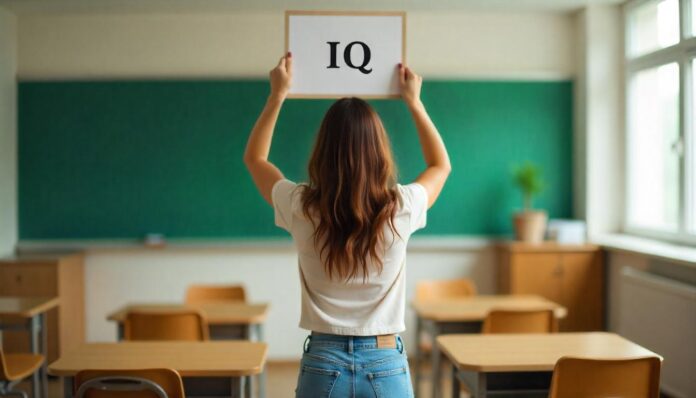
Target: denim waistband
346, 343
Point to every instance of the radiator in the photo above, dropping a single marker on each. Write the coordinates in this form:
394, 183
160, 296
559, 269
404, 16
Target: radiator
660, 314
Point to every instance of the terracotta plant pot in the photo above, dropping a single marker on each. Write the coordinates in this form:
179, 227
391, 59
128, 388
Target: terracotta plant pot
530, 226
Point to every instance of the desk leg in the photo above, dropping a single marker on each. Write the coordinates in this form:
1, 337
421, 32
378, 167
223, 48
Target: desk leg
119, 331
43, 347
417, 358
249, 380
436, 377
242, 389
456, 386
482, 386
262, 375
34, 342
68, 387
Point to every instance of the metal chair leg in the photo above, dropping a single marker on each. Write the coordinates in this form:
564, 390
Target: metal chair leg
7, 391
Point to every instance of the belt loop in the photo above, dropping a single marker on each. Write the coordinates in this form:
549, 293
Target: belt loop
307, 342
350, 344
399, 344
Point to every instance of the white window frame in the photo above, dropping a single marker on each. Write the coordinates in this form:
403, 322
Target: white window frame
681, 53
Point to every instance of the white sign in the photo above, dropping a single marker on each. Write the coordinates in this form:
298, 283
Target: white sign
339, 54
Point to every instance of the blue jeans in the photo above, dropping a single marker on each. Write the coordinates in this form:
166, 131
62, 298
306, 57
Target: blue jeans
352, 367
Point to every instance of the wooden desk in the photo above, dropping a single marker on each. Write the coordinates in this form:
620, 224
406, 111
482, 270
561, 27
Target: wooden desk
226, 321
523, 363
243, 314
214, 368
464, 315
54, 274
29, 313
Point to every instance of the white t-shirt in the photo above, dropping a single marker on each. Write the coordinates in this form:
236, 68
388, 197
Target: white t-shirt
354, 307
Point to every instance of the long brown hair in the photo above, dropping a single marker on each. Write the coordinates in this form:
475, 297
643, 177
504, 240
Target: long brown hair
351, 191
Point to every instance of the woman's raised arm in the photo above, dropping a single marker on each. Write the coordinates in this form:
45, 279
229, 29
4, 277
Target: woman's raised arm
264, 173
436, 159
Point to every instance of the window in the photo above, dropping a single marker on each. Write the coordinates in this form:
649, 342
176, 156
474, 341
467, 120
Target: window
653, 170
661, 119
654, 25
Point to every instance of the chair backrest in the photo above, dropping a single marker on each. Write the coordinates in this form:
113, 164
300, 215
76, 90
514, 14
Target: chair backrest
186, 324
445, 288
197, 294
581, 377
520, 321
142, 383
4, 376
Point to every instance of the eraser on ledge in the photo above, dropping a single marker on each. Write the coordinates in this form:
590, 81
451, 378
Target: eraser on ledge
155, 240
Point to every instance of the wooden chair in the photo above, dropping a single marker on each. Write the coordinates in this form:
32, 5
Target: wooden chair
445, 288
442, 289
580, 377
520, 321
143, 383
189, 325
197, 294
14, 368
432, 290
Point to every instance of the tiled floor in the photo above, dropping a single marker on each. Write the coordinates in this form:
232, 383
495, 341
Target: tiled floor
282, 378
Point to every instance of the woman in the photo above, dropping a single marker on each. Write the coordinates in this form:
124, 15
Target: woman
350, 223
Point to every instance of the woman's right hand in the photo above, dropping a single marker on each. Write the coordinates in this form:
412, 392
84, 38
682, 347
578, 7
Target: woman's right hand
281, 77
410, 84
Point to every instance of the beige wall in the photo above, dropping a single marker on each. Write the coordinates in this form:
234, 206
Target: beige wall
8, 136
599, 128
518, 45
115, 278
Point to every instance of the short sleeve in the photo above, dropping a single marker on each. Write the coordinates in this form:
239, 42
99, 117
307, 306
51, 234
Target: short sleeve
282, 196
415, 202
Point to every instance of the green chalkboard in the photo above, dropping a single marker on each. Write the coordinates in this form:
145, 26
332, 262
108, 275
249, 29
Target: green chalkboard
120, 159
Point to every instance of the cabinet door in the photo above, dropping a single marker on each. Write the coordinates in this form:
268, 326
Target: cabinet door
28, 279
583, 291
536, 273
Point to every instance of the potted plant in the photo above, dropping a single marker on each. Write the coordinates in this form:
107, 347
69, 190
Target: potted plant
529, 224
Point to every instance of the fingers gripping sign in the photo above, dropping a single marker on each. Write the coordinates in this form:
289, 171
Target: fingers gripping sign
281, 77
409, 83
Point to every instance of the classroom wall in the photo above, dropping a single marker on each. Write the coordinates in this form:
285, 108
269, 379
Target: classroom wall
599, 128
456, 45
527, 45
270, 275
8, 135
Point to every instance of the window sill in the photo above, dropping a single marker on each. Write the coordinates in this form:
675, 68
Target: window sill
651, 247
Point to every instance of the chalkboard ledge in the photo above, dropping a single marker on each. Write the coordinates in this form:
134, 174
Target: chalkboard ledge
417, 244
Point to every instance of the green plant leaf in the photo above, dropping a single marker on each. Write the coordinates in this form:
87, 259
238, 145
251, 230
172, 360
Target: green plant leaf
528, 179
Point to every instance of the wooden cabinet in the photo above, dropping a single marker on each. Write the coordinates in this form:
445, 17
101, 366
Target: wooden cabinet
571, 275
59, 276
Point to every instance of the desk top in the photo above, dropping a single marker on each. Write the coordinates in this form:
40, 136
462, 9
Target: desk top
476, 308
219, 313
200, 359
26, 307
533, 352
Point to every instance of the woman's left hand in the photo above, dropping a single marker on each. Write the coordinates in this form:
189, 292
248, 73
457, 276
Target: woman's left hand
281, 77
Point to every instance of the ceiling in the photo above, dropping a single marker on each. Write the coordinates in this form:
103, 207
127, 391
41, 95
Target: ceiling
211, 6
